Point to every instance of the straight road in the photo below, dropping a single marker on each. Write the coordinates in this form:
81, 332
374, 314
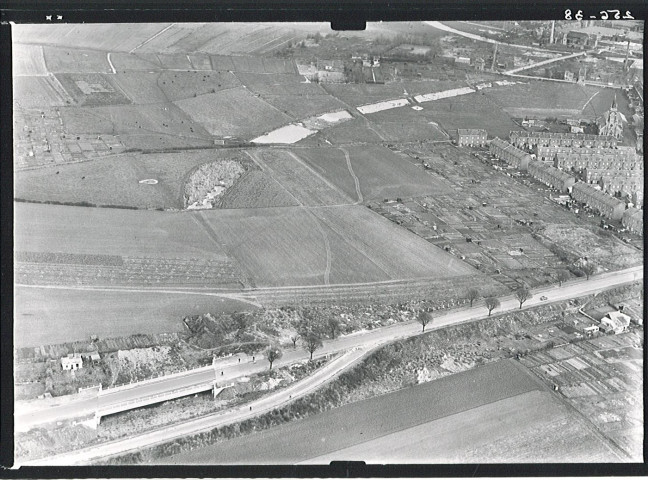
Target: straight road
75, 407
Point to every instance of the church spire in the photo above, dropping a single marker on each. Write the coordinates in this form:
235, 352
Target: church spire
614, 103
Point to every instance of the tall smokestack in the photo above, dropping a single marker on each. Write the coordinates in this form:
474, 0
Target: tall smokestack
553, 26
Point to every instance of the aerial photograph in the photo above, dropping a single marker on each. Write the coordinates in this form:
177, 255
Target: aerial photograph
283, 244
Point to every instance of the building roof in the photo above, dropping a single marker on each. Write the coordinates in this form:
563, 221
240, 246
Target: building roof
72, 359
619, 317
632, 212
574, 136
471, 131
602, 197
551, 171
504, 145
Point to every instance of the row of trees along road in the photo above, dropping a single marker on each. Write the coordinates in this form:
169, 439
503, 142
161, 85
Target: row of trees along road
313, 326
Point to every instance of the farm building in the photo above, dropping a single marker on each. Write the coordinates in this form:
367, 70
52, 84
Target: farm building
471, 138
511, 155
607, 205
551, 176
528, 140
633, 220
616, 322
72, 362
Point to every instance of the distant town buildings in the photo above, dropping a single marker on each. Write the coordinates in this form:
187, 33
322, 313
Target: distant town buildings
471, 138
510, 154
594, 198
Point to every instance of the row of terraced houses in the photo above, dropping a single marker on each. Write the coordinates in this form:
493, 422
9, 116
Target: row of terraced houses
583, 192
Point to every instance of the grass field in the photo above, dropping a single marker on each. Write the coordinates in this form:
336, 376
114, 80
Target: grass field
470, 111
126, 62
72, 60
405, 124
302, 182
109, 36
115, 180
542, 95
154, 126
37, 92
257, 189
28, 60
381, 173
447, 420
529, 428
82, 230
303, 105
236, 112
46, 316
294, 246
357, 130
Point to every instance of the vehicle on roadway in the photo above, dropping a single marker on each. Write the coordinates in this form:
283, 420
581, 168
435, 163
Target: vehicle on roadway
543, 298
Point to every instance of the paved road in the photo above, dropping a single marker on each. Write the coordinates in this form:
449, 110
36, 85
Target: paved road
208, 422
74, 406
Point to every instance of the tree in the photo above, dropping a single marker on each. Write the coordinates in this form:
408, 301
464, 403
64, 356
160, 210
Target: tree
563, 276
333, 326
424, 318
589, 269
522, 294
273, 353
472, 295
241, 322
294, 339
312, 342
491, 304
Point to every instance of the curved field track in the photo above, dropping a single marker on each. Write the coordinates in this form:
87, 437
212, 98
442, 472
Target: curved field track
287, 247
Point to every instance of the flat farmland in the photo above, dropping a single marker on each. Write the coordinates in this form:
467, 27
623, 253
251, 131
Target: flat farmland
38, 92
357, 130
92, 89
175, 61
168, 86
529, 428
298, 179
200, 61
471, 111
256, 189
405, 124
542, 95
44, 316
447, 420
277, 83
381, 173
28, 60
137, 233
398, 252
363, 94
117, 37
142, 87
302, 104
235, 112
181, 85
154, 126
126, 62
296, 246
72, 60
115, 180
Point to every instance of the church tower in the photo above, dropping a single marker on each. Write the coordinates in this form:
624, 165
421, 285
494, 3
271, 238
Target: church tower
612, 122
